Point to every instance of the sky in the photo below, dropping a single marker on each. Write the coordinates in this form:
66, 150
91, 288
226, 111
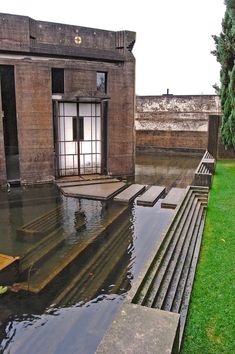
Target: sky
173, 37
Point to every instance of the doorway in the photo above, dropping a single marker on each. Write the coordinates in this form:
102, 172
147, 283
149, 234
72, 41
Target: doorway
78, 142
7, 91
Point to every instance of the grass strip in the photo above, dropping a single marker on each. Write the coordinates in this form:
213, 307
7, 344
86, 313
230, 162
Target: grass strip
210, 325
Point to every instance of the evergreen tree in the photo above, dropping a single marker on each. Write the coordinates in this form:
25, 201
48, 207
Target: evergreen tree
225, 54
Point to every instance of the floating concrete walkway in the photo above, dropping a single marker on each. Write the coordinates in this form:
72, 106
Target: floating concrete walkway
93, 190
130, 193
151, 196
173, 198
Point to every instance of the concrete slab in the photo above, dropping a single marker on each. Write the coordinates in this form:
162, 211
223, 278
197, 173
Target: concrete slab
103, 191
173, 198
138, 329
85, 183
130, 193
151, 196
9, 268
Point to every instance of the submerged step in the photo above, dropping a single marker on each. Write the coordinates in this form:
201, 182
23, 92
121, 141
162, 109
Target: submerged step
130, 193
168, 281
9, 267
65, 256
151, 196
167, 254
175, 264
190, 279
173, 198
101, 264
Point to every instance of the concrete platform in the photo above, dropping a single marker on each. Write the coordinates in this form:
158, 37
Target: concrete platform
173, 198
97, 191
151, 196
130, 193
141, 330
86, 182
9, 267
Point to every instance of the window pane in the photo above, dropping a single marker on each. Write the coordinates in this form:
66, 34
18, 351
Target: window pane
57, 80
101, 82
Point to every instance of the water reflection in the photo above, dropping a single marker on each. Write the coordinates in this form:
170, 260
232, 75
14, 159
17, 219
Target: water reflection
164, 169
72, 313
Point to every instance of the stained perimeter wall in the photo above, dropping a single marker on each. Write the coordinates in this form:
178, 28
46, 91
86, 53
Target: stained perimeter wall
174, 123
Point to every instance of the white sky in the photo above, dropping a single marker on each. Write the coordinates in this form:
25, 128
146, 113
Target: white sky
173, 43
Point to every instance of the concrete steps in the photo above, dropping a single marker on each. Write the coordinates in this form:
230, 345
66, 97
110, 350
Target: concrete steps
47, 265
47, 241
151, 196
167, 284
98, 267
130, 193
173, 198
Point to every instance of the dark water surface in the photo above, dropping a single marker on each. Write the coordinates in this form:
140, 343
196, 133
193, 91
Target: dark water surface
72, 313
170, 170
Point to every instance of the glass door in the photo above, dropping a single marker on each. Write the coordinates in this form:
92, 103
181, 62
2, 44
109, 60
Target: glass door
78, 135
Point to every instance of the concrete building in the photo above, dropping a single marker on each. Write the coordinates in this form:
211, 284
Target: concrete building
67, 100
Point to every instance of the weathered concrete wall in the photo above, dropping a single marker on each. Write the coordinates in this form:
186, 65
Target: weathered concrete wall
121, 149
34, 48
2, 152
163, 139
24, 34
174, 122
34, 121
215, 146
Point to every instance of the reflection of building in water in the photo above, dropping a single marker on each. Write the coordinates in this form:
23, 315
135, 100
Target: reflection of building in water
169, 170
67, 97
101, 272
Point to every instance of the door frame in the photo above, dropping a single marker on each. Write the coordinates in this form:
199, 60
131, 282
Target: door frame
103, 132
3, 177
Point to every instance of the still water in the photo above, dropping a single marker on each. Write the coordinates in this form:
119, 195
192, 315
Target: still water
72, 311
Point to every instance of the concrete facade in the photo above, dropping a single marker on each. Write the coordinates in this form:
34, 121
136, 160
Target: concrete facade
174, 122
33, 48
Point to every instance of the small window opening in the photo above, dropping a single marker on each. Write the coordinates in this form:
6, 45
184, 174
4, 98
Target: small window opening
57, 79
101, 82
78, 128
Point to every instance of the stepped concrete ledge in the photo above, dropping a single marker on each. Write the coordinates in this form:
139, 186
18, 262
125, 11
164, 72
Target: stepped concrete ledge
86, 182
43, 277
138, 329
173, 198
130, 193
151, 196
9, 267
82, 178
97, 191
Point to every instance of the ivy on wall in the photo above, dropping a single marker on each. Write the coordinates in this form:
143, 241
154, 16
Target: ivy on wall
225, 54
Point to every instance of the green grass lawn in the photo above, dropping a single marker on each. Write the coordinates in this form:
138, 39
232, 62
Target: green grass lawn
210, 326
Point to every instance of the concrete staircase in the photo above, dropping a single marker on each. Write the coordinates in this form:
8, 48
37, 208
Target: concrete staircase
156, 307
168, 281
204, 173
52, 254
110, 258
